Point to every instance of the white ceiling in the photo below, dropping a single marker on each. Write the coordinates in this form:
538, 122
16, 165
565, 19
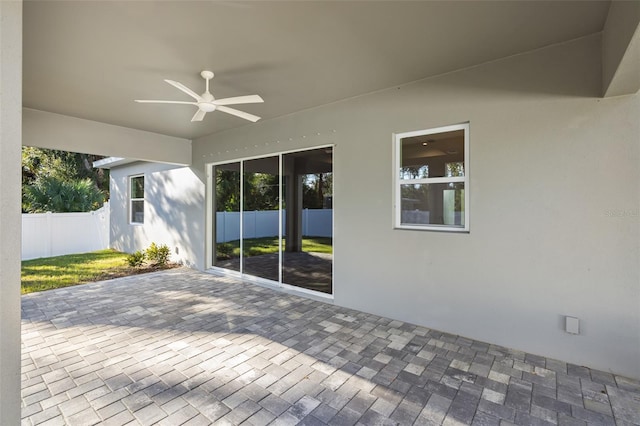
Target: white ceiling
91, 59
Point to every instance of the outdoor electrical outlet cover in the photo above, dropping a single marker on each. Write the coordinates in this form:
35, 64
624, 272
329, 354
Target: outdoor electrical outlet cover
572, 325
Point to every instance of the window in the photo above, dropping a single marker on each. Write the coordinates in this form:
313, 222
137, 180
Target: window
136, 199
432, 179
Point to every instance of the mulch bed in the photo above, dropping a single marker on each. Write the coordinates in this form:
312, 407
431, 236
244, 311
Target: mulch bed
133, 270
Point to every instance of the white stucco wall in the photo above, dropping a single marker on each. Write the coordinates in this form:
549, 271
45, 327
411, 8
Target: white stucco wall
554, 205
174, 211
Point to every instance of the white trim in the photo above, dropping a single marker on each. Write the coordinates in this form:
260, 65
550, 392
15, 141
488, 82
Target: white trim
256, 157
263, 282
333, 221
467, 167
432, 180
434, 130
398, 182
210, 211
305, 292
109, 162
131, 199
397, 197
241, 242
280, 230
224, 272
436, 228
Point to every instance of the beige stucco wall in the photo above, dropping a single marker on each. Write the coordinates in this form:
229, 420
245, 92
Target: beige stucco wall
554, 205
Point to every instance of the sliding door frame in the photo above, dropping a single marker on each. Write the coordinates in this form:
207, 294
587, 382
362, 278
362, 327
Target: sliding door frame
210, 226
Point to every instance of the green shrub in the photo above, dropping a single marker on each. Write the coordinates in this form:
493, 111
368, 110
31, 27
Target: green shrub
158, 255
135, 259
224, 251
254, 251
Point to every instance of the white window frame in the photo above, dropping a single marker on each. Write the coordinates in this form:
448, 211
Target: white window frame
398, 182
131, 199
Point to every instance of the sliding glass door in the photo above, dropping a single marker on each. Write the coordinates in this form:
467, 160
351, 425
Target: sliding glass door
227, 202
274, 218
260, 213
308, 251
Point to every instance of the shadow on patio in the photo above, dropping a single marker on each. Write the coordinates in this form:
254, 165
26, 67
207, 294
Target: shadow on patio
183, 347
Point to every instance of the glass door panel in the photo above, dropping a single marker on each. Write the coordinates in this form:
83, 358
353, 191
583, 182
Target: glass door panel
260, 218
307, 260
226, 252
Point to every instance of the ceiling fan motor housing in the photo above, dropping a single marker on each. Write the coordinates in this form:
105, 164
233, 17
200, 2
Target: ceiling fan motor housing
207, 75
206, 106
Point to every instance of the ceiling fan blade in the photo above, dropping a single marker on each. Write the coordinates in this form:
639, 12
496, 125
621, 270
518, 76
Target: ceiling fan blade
199, 115
185, 89
145, 101
240, 114
250, 99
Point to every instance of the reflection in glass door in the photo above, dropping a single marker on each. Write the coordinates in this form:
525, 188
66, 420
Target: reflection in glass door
274, 218
308, 256
226, 253
260, 218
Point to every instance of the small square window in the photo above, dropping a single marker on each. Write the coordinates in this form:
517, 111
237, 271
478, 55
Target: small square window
432, 185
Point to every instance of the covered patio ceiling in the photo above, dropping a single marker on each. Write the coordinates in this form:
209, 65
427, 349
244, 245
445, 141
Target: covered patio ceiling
92, 59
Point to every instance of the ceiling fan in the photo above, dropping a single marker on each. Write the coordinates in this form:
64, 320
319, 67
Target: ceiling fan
207, 103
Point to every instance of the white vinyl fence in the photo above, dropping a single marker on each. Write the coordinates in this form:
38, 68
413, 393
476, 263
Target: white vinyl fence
257, 224
55, 234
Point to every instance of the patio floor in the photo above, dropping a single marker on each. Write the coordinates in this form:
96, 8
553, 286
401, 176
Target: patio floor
184, 347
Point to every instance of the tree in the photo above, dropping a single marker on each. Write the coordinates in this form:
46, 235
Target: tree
61, 181
52, 194
227, 190
316, 187
261, 191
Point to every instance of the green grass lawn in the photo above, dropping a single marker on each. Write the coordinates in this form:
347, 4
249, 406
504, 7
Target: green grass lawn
260, 246
63, 271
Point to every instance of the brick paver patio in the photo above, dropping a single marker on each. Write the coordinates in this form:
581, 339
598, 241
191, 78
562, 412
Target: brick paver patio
183, 347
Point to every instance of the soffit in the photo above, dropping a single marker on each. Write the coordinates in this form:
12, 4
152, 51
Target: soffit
90, 59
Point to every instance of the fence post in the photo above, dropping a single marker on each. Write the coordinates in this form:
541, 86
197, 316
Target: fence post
305, 222
107, 222
224, 227
49, 234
